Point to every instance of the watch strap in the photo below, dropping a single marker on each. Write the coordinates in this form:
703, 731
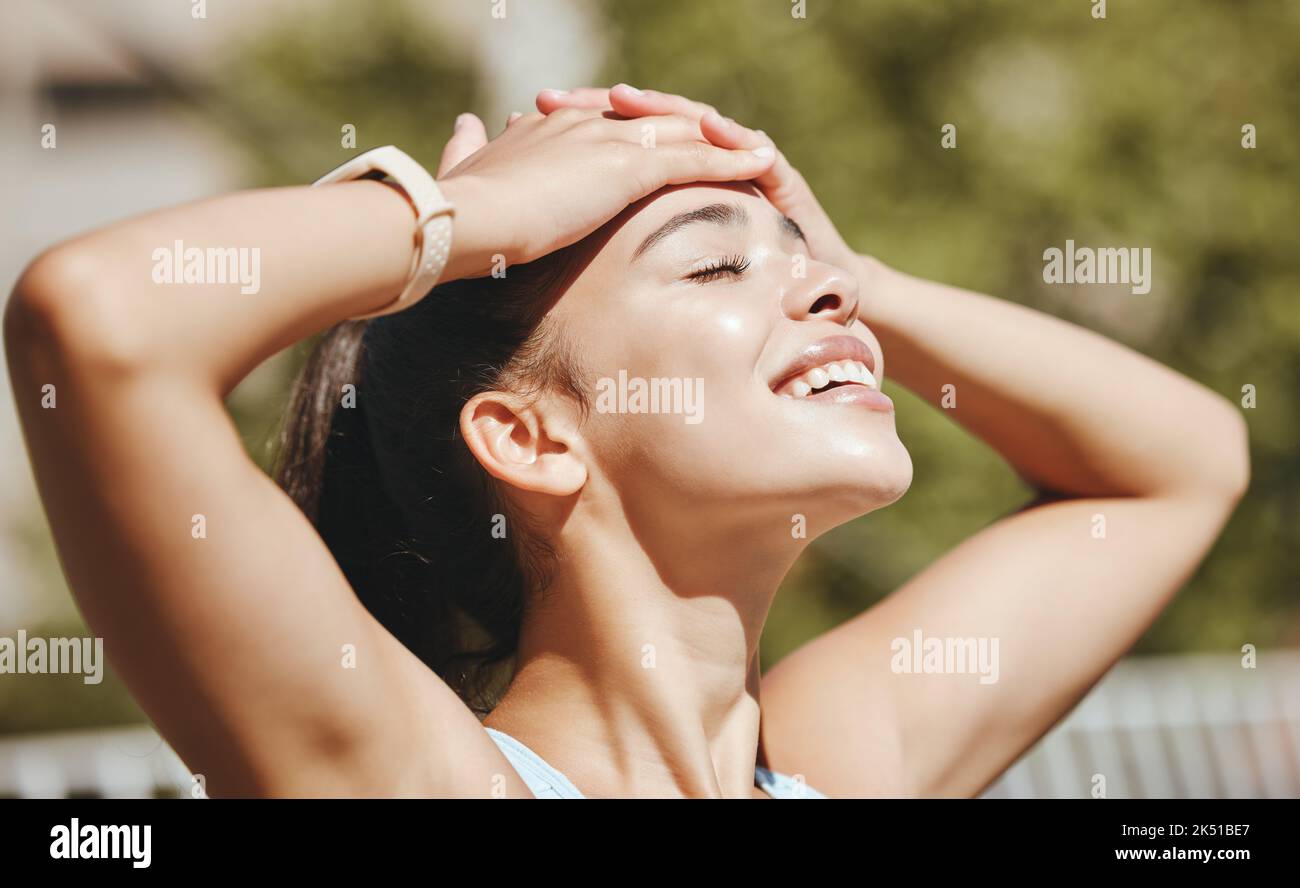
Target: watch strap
433, 214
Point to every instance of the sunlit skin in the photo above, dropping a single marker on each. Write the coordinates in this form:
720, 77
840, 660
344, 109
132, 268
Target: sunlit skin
739, 332
697, 518
638, 669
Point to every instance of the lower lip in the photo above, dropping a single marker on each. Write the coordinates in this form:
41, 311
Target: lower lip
860, 395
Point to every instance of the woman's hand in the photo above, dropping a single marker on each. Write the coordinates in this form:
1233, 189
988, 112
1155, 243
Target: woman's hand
549, 180
780, 183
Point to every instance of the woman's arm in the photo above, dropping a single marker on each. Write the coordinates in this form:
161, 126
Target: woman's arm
1075, 413
1138, 470
1103, 432
220, 605
1108, 436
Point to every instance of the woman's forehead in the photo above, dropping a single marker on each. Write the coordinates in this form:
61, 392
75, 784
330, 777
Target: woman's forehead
676, 198
643, 218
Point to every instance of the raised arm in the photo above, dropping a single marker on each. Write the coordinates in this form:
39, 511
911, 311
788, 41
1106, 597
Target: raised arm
219, 604
1075, 413
1138, 468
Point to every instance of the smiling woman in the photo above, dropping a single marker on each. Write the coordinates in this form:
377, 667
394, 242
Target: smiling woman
598, 498
551, 600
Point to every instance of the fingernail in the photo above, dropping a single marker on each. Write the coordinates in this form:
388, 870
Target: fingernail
557, 92
633, 89
460, 121
764, 151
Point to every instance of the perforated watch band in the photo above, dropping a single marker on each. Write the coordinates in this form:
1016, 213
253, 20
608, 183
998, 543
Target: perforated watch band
433, 215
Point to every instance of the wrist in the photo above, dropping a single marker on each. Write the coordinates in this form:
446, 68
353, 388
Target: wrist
872, 274
876, 284
476, 246
433, 214
869, 268
385, 217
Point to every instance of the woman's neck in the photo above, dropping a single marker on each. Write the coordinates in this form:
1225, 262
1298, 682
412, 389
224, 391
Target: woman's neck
635, 687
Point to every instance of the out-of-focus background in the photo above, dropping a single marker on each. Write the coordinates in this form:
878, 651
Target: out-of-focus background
1123, 131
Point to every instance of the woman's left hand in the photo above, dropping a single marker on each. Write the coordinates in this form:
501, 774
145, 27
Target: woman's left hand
782, 184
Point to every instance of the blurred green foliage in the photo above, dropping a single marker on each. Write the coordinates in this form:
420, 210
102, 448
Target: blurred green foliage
1123, 132
289, 92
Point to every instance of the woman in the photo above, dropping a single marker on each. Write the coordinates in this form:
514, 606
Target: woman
476, 501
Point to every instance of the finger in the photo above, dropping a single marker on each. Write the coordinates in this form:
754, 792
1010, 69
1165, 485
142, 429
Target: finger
627, 101
683, 162
662, 129
783, 185
632, 102
779, 183
726, 133
513, 116
467, 136
590, 97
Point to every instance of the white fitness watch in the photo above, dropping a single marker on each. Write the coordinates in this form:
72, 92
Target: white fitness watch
433, 215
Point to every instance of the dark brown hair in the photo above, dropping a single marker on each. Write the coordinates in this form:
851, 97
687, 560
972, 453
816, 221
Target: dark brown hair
389, 483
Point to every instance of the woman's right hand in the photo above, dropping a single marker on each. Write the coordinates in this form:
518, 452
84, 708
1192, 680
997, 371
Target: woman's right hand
549, 180
781, 183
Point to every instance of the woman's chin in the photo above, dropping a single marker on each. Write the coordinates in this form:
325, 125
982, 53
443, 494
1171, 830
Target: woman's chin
880, 483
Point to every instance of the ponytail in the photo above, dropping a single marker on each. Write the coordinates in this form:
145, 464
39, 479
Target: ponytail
401, 502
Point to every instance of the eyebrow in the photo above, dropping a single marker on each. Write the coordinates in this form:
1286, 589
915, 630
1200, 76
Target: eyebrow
791, 227
725, 215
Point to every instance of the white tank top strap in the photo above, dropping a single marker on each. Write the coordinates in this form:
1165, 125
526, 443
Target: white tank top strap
546, 782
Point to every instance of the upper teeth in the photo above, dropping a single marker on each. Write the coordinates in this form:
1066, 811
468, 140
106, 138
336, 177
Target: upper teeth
819, 377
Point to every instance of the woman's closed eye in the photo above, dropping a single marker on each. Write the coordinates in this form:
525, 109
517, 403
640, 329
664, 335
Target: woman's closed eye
733, 267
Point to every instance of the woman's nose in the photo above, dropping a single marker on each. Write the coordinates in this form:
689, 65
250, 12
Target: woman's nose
824, 293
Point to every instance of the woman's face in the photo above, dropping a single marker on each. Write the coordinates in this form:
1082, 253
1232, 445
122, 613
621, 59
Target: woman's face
732, 380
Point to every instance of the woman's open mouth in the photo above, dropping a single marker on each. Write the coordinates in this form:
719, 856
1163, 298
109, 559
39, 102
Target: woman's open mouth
828, 376
837, 370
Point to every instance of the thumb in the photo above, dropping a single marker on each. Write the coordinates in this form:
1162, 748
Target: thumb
468, 136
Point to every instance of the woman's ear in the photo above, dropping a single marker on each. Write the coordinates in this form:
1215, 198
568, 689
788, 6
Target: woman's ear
519, 444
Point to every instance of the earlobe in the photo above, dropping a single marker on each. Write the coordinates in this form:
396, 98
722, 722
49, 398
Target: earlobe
513, 440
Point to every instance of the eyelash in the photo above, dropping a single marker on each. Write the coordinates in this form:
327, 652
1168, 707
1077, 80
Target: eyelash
732, 266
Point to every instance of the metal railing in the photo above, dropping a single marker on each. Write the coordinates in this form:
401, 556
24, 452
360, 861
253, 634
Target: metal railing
1173, 727
126, 762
